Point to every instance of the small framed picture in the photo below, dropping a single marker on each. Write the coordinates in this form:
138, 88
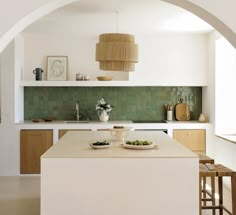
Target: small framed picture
57, 67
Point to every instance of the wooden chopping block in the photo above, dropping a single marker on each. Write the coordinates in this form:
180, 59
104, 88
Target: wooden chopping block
182, 111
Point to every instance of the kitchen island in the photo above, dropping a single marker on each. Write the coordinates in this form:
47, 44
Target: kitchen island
76, 179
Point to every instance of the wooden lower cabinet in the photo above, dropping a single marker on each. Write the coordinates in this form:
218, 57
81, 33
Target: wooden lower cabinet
193, 139
62, 132
33, 143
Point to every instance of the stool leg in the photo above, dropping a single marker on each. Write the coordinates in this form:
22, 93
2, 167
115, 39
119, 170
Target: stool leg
233, 188
204, 190
200, 195
213, 194
220, 187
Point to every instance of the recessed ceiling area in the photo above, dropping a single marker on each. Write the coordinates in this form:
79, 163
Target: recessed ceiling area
90, 18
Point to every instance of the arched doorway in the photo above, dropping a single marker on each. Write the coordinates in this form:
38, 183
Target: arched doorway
53, 5
207, 17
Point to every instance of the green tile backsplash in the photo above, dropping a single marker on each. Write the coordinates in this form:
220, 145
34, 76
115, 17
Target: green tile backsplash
130, 103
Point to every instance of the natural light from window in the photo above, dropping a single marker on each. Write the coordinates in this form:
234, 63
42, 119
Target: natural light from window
225, 87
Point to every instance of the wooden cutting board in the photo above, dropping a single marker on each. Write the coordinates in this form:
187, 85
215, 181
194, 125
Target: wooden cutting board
182, 111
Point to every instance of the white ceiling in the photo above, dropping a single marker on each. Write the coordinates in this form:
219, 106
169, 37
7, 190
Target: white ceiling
139, 17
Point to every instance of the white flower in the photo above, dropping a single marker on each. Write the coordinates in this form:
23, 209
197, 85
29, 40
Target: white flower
102, 105
102, 102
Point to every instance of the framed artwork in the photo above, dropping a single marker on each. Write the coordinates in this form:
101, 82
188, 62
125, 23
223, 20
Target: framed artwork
57, 67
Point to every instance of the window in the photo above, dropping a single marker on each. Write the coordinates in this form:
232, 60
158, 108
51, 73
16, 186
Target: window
225, 87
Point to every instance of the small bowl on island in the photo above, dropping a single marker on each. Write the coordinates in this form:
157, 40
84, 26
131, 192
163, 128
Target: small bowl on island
100, 145
120, 132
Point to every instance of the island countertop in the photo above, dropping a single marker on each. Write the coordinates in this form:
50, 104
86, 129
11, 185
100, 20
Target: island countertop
116, 180
75, 144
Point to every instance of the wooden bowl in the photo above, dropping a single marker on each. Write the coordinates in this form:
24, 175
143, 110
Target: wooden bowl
36, 120
104, 78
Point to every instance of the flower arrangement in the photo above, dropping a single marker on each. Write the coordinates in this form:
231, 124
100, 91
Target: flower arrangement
102, 105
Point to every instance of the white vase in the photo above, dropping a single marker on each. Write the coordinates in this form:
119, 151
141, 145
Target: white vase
103, 116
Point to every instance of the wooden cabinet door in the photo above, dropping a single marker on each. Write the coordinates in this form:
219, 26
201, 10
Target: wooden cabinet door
33, 143
193, 139
62, 132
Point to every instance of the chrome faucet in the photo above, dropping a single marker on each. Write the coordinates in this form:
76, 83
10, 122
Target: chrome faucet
77, 110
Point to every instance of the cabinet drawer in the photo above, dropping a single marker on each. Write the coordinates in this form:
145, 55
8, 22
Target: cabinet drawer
193, 139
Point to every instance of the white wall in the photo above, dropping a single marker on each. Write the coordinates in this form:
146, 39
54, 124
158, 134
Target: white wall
9, 137
172, 58
23, 13
0, 86
179, 56
80, 52
208, 93
224, 10
19, 68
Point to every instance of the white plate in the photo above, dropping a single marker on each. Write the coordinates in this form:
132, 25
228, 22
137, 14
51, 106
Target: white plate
140, 147
100, 147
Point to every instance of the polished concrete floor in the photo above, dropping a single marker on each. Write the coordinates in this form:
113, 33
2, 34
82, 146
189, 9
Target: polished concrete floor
20, 195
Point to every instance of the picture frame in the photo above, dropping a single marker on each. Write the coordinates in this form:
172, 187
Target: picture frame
57, 68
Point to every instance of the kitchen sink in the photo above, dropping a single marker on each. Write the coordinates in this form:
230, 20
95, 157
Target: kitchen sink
77, 121
148, 121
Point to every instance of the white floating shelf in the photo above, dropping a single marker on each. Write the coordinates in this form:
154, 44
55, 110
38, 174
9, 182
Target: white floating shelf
97, 84
83, 83
74, 83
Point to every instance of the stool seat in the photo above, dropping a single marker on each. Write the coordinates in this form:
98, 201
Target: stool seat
206, 159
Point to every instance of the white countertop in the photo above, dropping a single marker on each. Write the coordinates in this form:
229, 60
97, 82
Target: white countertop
95, 125
76, 145
108, 122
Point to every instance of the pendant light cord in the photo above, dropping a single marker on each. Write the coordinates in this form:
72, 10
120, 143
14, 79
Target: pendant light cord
117, 20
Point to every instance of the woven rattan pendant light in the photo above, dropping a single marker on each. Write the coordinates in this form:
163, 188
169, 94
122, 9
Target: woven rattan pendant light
116, 51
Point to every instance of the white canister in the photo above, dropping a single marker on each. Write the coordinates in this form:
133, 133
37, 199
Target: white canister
169, 115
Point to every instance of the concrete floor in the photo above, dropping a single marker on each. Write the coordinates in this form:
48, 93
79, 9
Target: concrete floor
20, 195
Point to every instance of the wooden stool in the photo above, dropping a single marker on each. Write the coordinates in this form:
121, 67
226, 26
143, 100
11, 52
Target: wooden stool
220, 171
204, 194
205, 159
223, 171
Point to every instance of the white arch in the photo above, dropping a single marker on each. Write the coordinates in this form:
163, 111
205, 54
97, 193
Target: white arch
227, 32
30, 18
